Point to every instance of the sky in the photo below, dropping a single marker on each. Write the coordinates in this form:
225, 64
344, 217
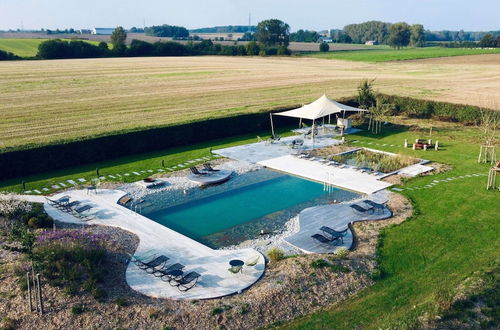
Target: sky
478, 15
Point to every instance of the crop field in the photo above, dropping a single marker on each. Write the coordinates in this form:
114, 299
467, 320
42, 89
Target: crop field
384, 55
24, 47
60, 100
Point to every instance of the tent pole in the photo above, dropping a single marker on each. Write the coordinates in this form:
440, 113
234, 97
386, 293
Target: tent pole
272, 126
300, 122
313, 133
329, 117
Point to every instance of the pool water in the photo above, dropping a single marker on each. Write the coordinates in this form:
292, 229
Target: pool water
235, 212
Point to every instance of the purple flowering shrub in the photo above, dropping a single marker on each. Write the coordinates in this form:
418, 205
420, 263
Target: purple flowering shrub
71, 258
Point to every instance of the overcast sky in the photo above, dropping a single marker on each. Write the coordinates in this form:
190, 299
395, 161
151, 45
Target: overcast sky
478, 15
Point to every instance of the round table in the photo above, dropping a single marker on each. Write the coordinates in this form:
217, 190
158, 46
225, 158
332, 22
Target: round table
236, 263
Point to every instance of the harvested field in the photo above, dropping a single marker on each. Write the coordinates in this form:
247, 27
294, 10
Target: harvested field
47, 101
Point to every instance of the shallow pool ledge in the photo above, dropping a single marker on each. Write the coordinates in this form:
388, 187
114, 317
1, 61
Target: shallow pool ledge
216, 281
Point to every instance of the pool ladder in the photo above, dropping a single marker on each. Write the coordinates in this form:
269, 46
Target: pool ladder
327, 186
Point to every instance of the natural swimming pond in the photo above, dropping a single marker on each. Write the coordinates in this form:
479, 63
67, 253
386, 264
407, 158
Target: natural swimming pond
239, 209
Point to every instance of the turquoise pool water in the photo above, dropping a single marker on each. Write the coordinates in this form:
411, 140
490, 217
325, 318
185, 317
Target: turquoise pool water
228, 216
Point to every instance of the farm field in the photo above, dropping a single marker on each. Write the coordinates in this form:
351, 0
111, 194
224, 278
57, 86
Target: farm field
61, 100
384, 55
25, 47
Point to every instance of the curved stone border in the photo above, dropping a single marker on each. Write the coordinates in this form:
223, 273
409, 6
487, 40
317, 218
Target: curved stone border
216, 280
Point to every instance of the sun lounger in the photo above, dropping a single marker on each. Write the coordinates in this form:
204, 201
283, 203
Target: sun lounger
334, 233
60, 202
195, 171
165, 273
322, 239
188, 281
360, 209
377, 206
209, 168
72, 205
154, 263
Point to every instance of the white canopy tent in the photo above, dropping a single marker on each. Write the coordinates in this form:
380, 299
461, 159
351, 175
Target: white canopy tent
320, 108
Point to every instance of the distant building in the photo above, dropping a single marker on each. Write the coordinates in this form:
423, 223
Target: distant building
371, 42
103, 31
324, 39
84, 31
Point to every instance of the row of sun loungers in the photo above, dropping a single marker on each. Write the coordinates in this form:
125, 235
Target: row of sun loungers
73, 207
173, 274
207, 170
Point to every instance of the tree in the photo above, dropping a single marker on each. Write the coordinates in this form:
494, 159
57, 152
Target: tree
118, 38
366, 96
498, 40
399, 35
324, 47
378, 114
253, 48
487, 41
417, 37
176, 32
273, 32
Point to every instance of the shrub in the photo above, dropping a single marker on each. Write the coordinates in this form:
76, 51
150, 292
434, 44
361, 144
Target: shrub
98, 294
8, 323
77, 309
244, 309
338, 268
121, 301
319, 263
71, 257
324, 47
275, 254
216, 310
342, 252
153, 313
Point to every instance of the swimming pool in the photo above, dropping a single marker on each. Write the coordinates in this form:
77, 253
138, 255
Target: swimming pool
238, 210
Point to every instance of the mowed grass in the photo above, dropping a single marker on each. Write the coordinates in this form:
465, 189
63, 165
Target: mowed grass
26, 47
453, 235
384, 55
44, 102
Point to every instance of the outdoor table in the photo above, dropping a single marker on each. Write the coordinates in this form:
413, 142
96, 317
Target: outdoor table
94, 188
237, 264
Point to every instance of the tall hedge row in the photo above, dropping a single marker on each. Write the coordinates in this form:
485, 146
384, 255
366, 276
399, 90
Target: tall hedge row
57, 156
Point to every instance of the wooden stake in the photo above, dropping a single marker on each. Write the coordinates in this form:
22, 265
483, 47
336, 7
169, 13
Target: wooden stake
35, 293
39, 293
30, 303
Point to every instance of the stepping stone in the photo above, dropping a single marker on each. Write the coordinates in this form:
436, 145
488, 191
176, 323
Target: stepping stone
136, 173
397, 189
27, 192
37, 191
180, 165
143, 172
55, 186
175, 166
191, 161
160, 170
102, 177
45, 189
385, 144
436, 181
168, 168
118, 175
62, 184
369, 143
409, 188
199, 159
468, 175
112, 176
82, 180
127, 174
150, 171
71, 182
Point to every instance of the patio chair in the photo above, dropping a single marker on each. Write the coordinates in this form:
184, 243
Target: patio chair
158, 261
360, 209
252, 261
297, 143
82, 209
334, 233
188, 281
209, 168
376, 206
195, 171
322, 239
165, 273
138, 260
70, 206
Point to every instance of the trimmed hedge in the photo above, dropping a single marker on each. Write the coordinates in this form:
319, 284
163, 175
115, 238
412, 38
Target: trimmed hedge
57, 156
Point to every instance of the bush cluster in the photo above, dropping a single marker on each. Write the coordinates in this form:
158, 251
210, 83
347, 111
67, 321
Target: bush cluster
37, 218
275, 254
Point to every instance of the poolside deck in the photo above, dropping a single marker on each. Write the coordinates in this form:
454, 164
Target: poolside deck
216, 280
335, 216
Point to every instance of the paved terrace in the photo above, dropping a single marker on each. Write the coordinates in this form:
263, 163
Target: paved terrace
335, 216
216, 280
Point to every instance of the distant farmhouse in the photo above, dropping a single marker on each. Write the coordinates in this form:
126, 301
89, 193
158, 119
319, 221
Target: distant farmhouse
371, 42
84, 31
103, 31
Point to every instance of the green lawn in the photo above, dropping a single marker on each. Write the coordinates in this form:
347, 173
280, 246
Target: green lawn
25, 47
384, 55
453, 233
